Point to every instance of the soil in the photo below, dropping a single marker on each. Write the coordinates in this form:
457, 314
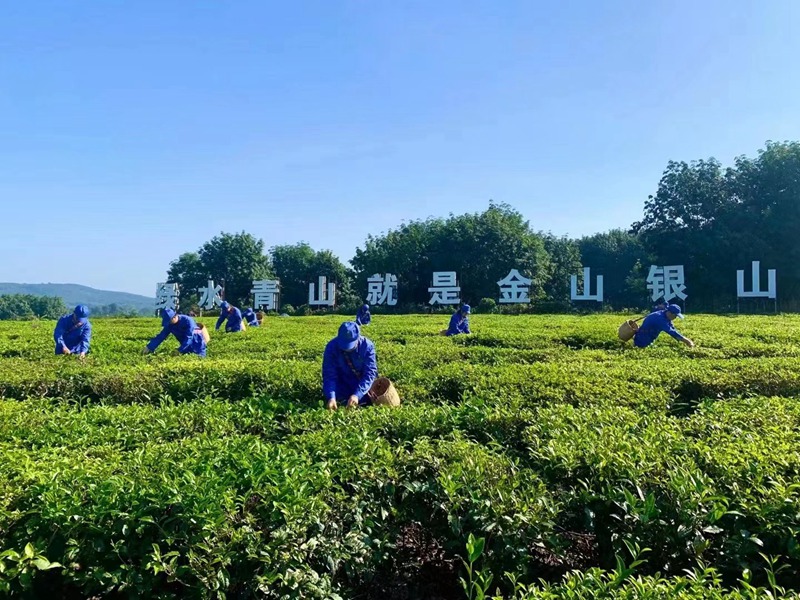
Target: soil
420, 569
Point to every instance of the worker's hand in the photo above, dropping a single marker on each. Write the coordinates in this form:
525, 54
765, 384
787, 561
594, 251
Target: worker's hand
82, 355
66, 350
352, 402
331, 405
176, 352
688, 342
146, 350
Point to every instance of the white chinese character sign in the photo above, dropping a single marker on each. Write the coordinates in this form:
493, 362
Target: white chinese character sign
757, 292
209, 295
327, 293
265, 293
586, 293
166, 296
666, 282
382, 289
445, 289
514, 288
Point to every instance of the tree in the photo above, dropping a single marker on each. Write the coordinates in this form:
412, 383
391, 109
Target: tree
292, 264
299, 264
46, 307
231, 260
716, 221
25, 306
614, 255
481, 248
565, 260
188, 272
405, 252
767, 212
684, 224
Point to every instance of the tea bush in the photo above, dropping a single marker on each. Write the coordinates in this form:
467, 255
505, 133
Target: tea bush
572, 465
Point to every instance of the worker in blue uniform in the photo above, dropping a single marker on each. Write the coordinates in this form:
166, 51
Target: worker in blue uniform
363, 317
349, 368
233, 315
660, 304
657, 322
459, 322
186, 331
73, 332
251, 317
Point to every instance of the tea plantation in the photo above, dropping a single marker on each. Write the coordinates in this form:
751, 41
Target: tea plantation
538, 458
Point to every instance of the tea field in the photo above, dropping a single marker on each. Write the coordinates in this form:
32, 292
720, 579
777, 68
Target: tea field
539, 458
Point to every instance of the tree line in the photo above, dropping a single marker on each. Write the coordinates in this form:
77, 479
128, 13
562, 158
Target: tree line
24, 307
712, 220
28, 306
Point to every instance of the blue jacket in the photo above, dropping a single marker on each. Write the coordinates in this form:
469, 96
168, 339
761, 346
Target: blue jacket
458, 324
363, 317
251, 317
651, 328
186, 332
339, 380
74, 337
234, 320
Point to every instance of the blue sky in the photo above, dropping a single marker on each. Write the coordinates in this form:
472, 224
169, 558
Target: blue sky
133, 131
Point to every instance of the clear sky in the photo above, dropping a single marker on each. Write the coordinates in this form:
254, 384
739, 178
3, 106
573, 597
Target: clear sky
131, 132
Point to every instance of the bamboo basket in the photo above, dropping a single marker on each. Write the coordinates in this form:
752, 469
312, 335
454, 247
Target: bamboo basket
383, 393
204, 332
627, 330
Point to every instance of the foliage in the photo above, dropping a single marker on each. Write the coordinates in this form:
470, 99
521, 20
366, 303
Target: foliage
567, 464
565, 260
716, 221
299, 265
482, 248
711, 219
233, 260
617, 256
25, 306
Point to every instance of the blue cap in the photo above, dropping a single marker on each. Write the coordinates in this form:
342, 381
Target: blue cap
366, 306
224, 305
465, 308
82, 312
675, 310
348, 335
167, 314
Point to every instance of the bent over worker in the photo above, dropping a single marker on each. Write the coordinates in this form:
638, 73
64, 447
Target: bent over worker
657, 322
349, 368
251, 317
363, 317
186, 331
73, 332
233, 315
459, 322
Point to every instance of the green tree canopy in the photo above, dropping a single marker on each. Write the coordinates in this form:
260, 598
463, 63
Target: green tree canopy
564, 260
25, 306
481, 248
614, 255
297, 265
233, 260
715, 221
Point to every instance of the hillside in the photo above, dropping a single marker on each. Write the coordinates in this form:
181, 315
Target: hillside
73, 294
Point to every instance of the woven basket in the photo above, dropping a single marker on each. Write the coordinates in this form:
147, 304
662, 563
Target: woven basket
627, 330
383, 393
204, 332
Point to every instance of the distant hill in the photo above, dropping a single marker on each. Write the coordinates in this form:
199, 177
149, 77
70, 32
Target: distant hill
73, 294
